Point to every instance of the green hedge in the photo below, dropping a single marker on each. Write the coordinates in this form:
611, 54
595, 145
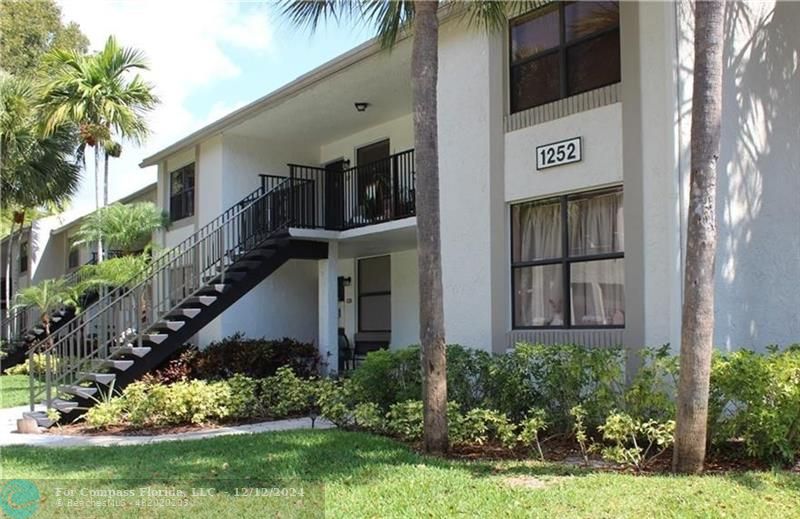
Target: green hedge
755, 398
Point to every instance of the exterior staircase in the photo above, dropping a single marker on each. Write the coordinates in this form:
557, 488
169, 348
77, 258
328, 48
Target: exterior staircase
125, 335
23, 327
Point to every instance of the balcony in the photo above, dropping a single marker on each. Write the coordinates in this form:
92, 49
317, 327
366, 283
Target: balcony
338, 198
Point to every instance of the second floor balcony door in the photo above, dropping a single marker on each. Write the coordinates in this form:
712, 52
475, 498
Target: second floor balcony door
334, 194
375, 180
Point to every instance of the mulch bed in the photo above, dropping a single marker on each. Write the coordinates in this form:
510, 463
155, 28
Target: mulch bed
729, 459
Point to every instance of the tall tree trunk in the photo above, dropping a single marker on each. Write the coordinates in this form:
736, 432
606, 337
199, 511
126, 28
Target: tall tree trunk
697, 326
105, 178
424, 72
97, 196
8, 289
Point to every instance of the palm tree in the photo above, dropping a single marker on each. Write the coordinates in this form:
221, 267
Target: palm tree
697, 325
35, 170
390, 19
96, 93
124, 227
48, 296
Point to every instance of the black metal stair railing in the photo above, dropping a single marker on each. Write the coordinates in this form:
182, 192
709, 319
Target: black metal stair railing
21, 318
129, 316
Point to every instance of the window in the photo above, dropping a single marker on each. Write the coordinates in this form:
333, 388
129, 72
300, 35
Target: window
563, 49
374, 294
74, 257
567, 261
23, 256
181, 193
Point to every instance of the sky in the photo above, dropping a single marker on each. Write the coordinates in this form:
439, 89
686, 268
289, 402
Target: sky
207, 58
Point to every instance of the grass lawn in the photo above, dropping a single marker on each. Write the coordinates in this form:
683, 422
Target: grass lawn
358, 475
13, 390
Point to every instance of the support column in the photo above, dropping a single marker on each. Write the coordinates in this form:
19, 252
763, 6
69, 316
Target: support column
328, 336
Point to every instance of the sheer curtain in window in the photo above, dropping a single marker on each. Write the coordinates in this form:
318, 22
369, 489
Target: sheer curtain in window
539, 298
597, 287
596, 225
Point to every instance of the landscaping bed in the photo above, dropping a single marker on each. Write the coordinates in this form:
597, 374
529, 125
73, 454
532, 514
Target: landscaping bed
571, 402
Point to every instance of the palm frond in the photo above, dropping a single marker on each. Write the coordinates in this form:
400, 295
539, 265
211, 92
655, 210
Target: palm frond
307, 14
125, 227
388, 18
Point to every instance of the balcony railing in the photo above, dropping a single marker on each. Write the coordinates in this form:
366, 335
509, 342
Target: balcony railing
366, 194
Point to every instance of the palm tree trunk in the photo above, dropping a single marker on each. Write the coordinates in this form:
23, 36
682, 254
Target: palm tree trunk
97, 196
697, 328
105, 179
424, 73
9, 266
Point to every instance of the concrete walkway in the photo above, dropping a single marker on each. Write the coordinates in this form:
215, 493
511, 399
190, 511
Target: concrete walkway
9, 436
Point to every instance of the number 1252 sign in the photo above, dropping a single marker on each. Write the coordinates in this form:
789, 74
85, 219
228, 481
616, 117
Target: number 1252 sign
558, 153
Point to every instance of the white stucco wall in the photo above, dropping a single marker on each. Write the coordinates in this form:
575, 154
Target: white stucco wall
405, 299
283, 305
470, 103
400, 133
601, 164
245, 158
757, 294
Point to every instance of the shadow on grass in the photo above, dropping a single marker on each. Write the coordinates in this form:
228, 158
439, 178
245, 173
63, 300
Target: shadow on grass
308, 457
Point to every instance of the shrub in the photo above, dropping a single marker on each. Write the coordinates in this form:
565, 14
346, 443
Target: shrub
651, 393
255, 358
39, 364
335, 400
367, 415
556, 378
178, 366
243, 402
534, 423
757, 398
633, 442
285, 394
468, 374
480, 426
105, 414
404, 420
389, 376
154, 404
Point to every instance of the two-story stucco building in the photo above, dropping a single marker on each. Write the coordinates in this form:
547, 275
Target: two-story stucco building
579, 242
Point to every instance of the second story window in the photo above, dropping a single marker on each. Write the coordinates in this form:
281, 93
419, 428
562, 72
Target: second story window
563, 49
74, 258
23, 256
181, 193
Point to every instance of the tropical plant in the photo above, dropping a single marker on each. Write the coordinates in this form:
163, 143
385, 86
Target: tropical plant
697, 322
124, 271
48, 296
391, 20
96, 93
35, 170
124, 227
634, 442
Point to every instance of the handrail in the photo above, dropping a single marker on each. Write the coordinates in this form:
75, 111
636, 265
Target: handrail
15, 312
247, 199
126, 317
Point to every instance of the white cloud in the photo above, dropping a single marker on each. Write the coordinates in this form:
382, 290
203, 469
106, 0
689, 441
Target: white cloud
185, 43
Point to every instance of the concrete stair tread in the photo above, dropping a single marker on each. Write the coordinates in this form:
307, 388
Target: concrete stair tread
100, 378
79, 391
129, 349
